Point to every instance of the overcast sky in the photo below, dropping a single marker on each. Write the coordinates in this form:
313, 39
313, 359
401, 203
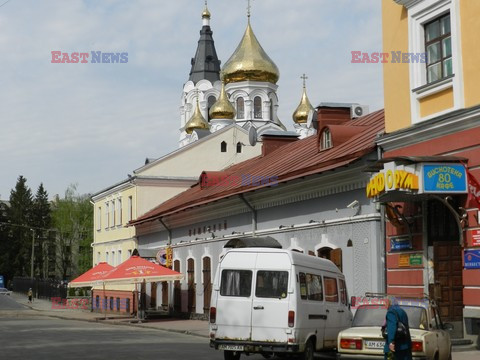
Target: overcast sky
92, 124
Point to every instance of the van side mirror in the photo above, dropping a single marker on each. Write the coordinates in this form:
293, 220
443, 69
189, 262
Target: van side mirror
353, 301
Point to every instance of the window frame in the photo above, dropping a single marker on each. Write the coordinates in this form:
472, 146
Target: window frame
257, 108
240, 105
227, 294
336, 296
439, 40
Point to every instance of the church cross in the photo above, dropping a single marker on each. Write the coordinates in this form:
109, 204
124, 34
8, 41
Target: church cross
304, 77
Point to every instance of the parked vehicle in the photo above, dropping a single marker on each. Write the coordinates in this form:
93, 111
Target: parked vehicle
275, 301
430, 336
4, 291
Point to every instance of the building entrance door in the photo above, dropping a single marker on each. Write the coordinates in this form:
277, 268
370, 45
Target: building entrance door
448, 287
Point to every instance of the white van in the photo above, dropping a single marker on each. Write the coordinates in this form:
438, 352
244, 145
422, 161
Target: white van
274, 301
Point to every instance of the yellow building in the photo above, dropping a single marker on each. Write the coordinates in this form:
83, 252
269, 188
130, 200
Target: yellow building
431, 69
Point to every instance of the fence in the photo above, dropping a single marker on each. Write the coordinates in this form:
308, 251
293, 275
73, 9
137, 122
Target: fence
42, 288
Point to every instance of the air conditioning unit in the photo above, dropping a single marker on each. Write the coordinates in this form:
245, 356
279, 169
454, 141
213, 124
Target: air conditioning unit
358, 110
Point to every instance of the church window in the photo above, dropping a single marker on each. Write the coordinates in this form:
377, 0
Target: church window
223, 146
211, 101
326, 140
271, 110
239, 147
240, 108
257, 107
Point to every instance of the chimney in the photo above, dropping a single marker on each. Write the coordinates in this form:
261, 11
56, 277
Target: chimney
333, 114
272, 140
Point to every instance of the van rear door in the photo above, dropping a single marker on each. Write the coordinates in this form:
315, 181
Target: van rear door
234, 300
271, 297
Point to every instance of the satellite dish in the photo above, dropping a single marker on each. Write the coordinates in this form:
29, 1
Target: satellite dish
252, 136
162, 257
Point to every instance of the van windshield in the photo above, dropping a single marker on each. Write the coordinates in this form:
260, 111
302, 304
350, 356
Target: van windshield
271, 284
236, 283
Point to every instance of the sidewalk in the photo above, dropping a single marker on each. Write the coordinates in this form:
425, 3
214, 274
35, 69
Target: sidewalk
44, 308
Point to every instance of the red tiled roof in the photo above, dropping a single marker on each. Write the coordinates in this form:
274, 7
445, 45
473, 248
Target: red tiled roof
291, 161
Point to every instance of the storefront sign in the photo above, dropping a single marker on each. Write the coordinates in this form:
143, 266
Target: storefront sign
472, 259
403, 243
169, 257
392, 177
444, 178
404, 260
416, 259
476, 237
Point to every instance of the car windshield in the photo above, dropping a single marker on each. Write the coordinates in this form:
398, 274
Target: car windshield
374, 315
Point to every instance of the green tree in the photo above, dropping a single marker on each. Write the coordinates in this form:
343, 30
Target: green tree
5, 269
19, 241
44, 237
72, 218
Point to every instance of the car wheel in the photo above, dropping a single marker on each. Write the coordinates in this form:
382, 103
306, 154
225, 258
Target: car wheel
231, 355
308, 352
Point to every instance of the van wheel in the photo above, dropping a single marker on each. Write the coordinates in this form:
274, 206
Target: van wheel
308, 353
231, 355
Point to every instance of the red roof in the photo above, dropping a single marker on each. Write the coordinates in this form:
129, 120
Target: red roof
136, 269
291, 161
94, 274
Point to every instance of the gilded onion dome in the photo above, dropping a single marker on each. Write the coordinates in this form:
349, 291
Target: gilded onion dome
250, 62
300, 115
197, 121
206, 13
222, 108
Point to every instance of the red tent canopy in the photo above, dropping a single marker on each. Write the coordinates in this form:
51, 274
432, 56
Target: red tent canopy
137, 269
91, 276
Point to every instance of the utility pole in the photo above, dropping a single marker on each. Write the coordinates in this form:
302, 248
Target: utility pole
33, 252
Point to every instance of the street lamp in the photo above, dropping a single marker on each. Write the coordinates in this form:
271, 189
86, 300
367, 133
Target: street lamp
33, 252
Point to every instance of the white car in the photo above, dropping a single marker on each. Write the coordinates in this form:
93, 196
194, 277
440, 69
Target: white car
430, 338
4, 291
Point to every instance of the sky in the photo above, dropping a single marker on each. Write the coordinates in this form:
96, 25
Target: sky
92, 124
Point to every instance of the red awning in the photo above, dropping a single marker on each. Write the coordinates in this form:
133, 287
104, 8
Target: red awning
137, 269
91, 276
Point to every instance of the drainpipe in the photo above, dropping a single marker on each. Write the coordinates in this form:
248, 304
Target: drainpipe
169, 231
383, 231
253, 211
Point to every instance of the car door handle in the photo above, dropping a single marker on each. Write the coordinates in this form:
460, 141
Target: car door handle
341, 311
258, 307
328, 311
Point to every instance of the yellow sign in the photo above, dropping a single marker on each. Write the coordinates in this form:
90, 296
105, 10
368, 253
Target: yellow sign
169, 257
404, 260
391, 180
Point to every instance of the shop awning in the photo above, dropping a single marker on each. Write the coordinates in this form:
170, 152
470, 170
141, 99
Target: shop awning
92, 276
136, 269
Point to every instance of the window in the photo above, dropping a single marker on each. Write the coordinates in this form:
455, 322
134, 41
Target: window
314, 287
112, 209
223, 146
97, 302
111, 303
331, 290
119, 212
99, 218
107, 216
326, 140
127, 305
343, 292
303, 286
257, 107
113, 258
211, 101
118, 304
236, 283
272, 284
270, 115
438, 45
119, 256
130, 208
240, 108
239, 147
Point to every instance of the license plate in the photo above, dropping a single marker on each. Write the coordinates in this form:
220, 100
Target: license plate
230, 347
374, 344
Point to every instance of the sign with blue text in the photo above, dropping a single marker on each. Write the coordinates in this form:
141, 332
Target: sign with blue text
400, 243
472, 259
444, 178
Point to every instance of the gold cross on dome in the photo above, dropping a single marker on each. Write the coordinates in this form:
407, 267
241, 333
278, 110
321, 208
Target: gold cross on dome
304, 77
196, 93
248, 8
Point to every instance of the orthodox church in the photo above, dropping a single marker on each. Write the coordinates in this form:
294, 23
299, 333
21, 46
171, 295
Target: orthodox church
243, 92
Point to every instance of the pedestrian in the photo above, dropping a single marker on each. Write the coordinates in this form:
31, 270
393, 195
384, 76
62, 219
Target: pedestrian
30, 295
398, 346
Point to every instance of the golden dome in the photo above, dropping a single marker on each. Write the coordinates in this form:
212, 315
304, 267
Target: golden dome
206, 13
222, 108
250, 62
300, 115
197, 121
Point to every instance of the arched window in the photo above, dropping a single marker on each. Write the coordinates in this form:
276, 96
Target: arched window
271, 110
239, 147
240, 108
326, 140
257, 107
334, 255
211, 101
223, 146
